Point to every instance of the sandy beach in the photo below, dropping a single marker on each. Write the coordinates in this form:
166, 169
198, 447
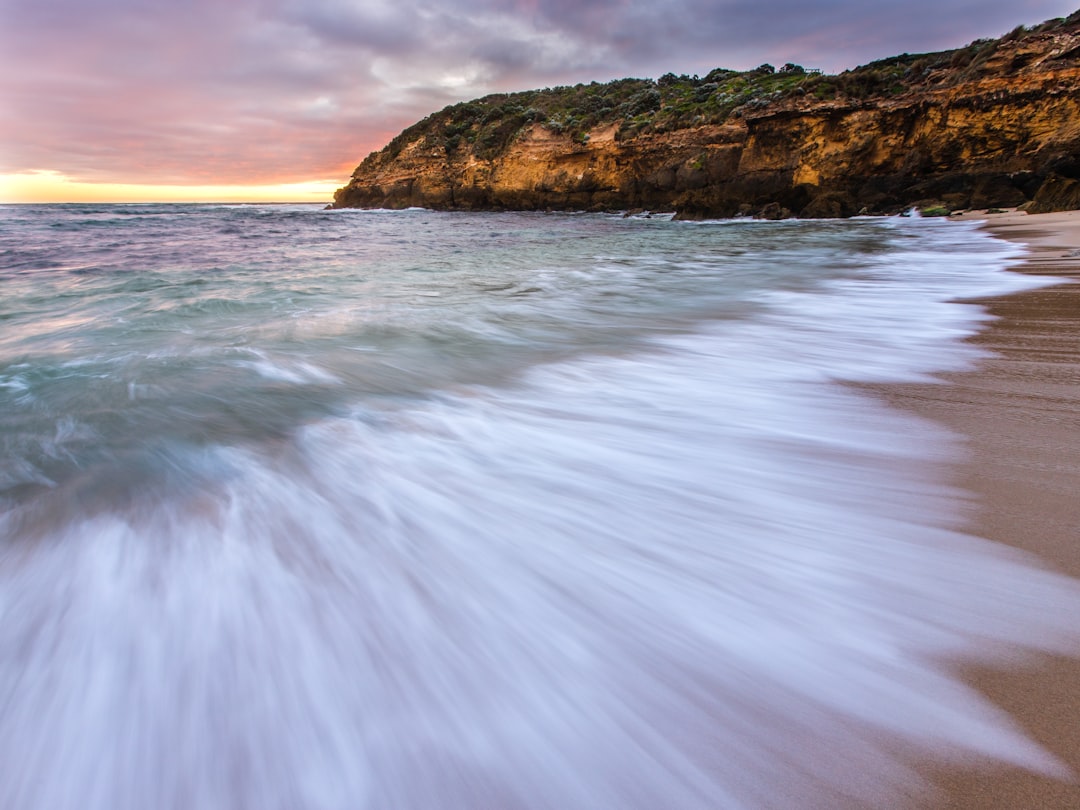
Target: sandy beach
1019, 412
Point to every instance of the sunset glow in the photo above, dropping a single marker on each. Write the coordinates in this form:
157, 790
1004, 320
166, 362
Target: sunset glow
53, 187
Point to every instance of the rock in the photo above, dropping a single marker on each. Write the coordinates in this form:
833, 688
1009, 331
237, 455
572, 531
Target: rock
829, 205
1056, 194
995, 191
773, 211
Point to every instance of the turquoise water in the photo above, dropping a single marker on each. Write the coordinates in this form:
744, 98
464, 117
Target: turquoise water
413, 509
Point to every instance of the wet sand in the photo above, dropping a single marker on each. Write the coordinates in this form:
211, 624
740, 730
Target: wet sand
1020, 414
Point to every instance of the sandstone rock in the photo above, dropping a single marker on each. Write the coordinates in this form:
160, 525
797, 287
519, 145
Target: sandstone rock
1056, 194
774, 211
830, 205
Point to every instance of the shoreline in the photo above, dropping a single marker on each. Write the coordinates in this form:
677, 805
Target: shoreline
1018, 413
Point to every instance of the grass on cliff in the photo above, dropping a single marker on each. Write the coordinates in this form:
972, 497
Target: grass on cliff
485, 127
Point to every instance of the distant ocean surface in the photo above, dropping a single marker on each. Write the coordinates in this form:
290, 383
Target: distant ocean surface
346, 509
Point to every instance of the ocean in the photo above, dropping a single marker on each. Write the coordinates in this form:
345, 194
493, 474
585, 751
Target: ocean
371, 509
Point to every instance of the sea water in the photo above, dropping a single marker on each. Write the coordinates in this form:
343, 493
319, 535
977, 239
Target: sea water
360, 509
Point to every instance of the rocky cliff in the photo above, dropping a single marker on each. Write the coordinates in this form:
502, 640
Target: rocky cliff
993, 124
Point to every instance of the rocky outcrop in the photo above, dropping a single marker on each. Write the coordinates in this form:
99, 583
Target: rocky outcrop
1057, 193
995, 124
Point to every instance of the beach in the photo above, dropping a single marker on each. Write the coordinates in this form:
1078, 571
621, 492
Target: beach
411, 509
1019, 412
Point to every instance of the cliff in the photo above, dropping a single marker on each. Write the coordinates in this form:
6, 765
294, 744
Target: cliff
993, 124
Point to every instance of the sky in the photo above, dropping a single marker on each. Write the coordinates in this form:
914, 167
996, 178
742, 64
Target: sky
142, 100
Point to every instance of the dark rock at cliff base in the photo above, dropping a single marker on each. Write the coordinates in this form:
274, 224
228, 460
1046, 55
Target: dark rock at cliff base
774, 211
1056, 194
830, 205
995, 124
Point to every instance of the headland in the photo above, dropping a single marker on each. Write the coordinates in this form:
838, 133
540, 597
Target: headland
994, 124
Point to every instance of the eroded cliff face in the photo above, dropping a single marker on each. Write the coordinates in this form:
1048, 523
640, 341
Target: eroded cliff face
1005, 132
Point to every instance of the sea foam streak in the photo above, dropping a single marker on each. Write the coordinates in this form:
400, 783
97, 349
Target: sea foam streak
686, 569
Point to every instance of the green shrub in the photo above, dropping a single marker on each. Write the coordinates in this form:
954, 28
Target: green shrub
935, 211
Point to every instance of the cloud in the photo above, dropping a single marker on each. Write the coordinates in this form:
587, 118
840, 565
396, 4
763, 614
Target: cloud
269, 91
